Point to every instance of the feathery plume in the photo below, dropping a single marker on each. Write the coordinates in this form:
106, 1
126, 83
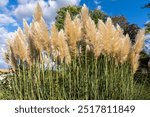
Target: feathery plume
40, 35
9, 55
93, 37
106, 37
125, 48
19, 48
59, 45
137, 48
139, 41
116, 44
119, 30
54, 36
73, 33
134, 58
38, 13
63, 48
110, 26
84, 14
26, 27
21, 35
54, 41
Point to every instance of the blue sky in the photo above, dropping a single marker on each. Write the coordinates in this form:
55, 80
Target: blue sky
13, 11
131, 9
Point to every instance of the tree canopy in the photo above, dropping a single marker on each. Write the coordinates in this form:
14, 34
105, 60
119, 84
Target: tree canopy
131, 29
74, 11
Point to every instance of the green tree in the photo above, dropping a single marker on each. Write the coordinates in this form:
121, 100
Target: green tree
131, 29
74, 11
120, 20
61, 14
147, 25
96, 14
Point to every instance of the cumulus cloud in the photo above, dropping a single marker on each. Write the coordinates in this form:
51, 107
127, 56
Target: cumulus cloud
26, 8
23, 1
3, 3
24, 11
97, 2
147, 36
6, 20
147, 22
4, 34
147, 46
99, 7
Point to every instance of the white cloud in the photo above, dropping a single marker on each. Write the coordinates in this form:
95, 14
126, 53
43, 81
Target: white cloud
147, 22
23, 1
3, 3
97, 2
99, 7
4, 35
26, 8
147, 36
24, 11
6, 20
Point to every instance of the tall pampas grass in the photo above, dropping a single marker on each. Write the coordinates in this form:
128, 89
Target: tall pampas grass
73, 33
60, 47
91, 61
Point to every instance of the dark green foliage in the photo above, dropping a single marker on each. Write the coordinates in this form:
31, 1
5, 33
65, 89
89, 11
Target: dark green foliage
147, 28
61, 14
120, 20
97, 14
74, 11
131, 29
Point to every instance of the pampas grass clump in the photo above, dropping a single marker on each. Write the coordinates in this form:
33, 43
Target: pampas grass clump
90, 61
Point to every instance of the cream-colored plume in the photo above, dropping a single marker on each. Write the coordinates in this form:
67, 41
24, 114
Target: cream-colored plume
26, 28
38, 13
73, 33
139, 41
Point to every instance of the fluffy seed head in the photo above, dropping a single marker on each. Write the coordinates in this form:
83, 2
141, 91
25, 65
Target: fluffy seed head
26, 27
139, 41
38, 13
